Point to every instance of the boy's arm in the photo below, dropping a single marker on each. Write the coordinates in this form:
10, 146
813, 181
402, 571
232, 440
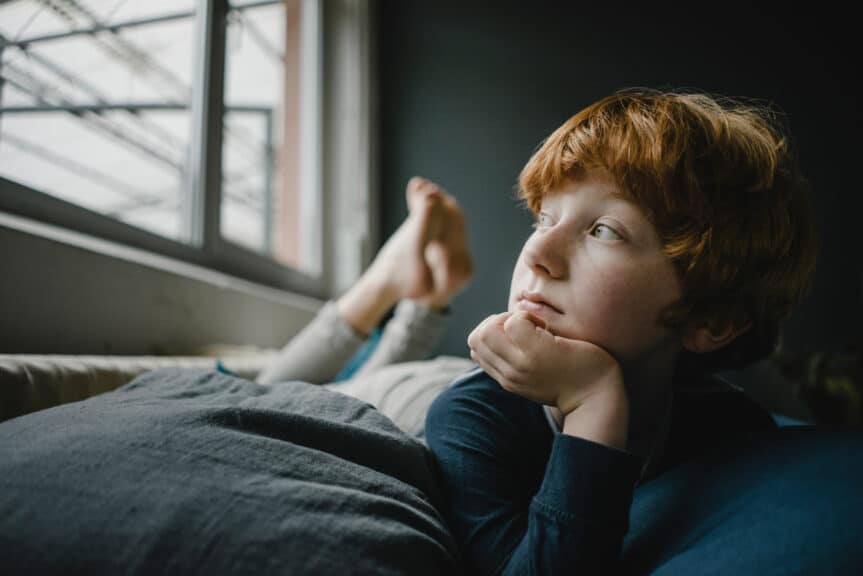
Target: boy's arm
519, 499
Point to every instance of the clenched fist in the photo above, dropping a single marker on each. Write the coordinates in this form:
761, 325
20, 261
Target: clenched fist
579, 378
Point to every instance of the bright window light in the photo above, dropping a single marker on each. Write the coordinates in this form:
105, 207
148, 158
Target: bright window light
98, 108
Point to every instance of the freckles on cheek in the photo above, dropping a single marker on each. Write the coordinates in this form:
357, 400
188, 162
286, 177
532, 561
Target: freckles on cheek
620, 297
645, 292
612, 298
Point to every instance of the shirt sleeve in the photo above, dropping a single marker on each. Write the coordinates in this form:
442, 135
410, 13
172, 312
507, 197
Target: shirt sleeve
519, 498
317, 353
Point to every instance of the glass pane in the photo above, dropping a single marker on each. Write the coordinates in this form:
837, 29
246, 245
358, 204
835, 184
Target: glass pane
96, 116
269, 198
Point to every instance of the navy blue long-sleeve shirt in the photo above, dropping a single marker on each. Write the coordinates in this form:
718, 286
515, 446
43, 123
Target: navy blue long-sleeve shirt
524, 499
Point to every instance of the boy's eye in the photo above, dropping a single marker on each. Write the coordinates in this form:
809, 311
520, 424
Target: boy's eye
605, 232
542, 220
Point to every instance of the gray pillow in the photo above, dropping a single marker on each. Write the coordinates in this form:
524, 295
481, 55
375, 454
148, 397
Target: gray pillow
184, 471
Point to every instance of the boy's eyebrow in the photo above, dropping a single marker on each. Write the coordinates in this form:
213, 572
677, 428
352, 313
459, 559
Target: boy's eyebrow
612, 189
617, 193
620, 196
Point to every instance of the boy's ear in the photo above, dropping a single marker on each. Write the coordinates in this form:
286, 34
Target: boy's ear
708, 337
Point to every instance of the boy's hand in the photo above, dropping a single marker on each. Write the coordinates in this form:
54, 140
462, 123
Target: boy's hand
574, 375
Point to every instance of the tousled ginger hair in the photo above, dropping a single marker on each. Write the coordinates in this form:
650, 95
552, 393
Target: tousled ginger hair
720, 181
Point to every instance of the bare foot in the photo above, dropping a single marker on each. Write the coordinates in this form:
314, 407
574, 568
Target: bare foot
447, 254
427, 257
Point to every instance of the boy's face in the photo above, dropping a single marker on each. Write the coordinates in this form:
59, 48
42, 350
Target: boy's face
594, 270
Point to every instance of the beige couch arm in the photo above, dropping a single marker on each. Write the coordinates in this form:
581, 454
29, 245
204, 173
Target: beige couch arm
33, 382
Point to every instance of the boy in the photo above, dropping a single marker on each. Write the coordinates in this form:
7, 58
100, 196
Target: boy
672, 238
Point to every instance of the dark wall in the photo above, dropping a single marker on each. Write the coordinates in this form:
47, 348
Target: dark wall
469, 89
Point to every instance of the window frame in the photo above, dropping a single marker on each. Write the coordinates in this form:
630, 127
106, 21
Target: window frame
206, 247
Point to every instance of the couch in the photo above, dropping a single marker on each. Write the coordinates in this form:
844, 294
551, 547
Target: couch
217, 474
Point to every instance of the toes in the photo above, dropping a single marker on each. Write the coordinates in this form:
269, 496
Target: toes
415, 183
415, 192
422, 192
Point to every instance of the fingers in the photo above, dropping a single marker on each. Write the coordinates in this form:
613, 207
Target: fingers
494, 358
495, 339
489, 342
491, 363
512, 342
518, 319
528, 334
473, 337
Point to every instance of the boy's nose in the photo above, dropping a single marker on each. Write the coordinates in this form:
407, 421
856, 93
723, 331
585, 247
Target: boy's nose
546, 255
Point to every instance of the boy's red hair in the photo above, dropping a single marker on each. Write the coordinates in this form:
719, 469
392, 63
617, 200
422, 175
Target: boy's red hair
720, 182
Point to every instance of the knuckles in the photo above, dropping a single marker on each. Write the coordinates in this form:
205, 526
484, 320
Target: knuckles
508, 385
513, 374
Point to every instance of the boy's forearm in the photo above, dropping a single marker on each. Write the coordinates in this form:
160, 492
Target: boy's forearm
602, 418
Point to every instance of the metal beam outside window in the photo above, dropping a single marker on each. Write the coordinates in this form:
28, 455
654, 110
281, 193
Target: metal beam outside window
203, 207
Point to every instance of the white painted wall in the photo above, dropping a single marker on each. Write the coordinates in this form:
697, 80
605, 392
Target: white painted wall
71, 297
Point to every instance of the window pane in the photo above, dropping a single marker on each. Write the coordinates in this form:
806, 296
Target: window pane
269, 194
100, 117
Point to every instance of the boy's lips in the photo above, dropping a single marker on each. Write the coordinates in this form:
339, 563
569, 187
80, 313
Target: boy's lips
535, 302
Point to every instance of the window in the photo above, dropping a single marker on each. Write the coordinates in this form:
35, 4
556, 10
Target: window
270, 132
99, 116
194, 123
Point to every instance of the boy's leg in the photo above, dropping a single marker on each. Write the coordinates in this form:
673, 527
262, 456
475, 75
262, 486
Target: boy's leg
426, 259
317, 353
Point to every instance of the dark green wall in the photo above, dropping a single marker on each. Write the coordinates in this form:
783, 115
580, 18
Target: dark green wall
469, 89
